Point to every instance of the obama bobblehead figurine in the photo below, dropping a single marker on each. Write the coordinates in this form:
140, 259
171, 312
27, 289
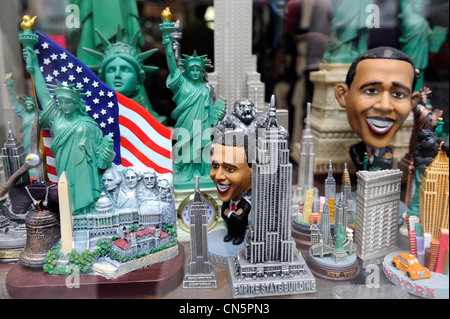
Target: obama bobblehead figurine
378, 96
232, 174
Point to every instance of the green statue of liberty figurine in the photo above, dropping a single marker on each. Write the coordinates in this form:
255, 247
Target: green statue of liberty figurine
348, 33
79, 147
194, 114
417, 38
26, 111
122, 68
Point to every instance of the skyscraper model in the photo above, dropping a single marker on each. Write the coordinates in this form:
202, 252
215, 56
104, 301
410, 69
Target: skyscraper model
306, 161
378, 198
235, 67
330, 184
270, 264
434, 195
13, 155
200, 273
346, 188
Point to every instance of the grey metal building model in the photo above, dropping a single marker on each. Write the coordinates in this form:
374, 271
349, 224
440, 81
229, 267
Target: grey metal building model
330, 184
377, 208
270, 263
306, 161
200, 273
13, 156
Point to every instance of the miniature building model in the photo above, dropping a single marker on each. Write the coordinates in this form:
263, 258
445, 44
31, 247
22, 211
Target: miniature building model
378, 197
13, 156
235, 74
330, 184
269, 249
434, 196
306, 162
135, 242
200, 272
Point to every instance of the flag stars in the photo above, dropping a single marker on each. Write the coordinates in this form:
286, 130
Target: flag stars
102, 124
49, 78
79, 85
54, 57
110, 94
46, 61
64, 83
110, 105
63, 56
110, 120
37, 51
88, 108
63, 69
88, 93
111, 134
96, 101
45, 45
79, 69
95, 116
70, 65
101, 93
95, 84
86, 80
71, 78
55, 73
103, 111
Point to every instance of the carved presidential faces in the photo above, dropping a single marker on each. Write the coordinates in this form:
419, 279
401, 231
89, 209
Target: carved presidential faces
121, 76
379, 99
230, 172
111, 179
131, 177
149, 179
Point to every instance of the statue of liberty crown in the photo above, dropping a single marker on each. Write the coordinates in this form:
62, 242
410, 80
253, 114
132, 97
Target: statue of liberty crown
68, 90
195, 59
124, 50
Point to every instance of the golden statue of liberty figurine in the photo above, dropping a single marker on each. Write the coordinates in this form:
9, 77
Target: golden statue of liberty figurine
194, 113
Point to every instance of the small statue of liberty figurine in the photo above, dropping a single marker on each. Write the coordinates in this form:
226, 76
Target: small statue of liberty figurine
26, 111
193, 114
79, 147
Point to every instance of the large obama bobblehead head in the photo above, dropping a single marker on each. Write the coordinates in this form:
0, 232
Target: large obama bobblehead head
378, 94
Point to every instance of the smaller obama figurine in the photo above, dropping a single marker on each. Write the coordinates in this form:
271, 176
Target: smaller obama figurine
232, 174
378, 96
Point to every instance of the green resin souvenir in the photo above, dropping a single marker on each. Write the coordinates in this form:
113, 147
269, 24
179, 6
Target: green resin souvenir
79, 147
194, 114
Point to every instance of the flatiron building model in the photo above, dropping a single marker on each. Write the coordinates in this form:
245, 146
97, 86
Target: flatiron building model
434, 196
378, 199
270, 251
200, 273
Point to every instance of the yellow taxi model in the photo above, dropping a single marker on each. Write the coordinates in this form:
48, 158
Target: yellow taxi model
411, 266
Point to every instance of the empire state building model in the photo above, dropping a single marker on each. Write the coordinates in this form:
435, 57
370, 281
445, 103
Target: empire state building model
270, 263
200, 273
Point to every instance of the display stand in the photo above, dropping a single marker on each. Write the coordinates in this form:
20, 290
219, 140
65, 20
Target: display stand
325, 268
157, 279
301, 235
219, 250
435, 287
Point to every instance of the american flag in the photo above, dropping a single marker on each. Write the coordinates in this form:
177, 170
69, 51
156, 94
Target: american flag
139, 139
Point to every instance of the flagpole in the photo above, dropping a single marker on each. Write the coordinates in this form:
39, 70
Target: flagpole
29, 40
